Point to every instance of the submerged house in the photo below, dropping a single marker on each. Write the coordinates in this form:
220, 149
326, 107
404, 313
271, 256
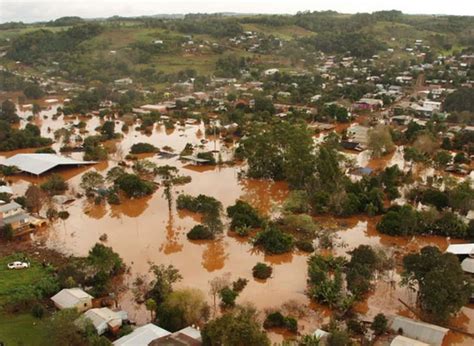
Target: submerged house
21, 222
70, 298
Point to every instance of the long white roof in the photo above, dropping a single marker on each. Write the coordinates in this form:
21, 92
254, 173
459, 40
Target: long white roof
425, 332
404, 341
142, 336
40, 163
461, 249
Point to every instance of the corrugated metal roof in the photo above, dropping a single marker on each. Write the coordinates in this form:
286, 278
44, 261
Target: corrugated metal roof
40, 163
417, 330
142, 336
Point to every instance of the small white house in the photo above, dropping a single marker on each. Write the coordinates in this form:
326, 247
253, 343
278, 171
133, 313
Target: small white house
103, 319
69, 298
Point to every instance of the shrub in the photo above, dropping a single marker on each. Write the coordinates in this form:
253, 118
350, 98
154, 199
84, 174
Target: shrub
239, 284
262, 271
38, 311
274, 241
7, 232
55, 185
134, 186
379, 324
305, 246
200, 232
243, 215
140, 148
277, 320
228, 296
63, 214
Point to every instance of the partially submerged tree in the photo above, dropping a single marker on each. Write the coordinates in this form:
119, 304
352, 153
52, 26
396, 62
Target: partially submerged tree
441, 285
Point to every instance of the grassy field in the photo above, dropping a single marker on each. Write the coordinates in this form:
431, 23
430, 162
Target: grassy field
22, 329
10, 279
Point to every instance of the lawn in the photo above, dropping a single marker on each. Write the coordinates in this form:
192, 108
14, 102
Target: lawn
9, 278
22, 329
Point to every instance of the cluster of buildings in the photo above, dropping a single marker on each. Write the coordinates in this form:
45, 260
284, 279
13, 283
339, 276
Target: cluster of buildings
108, 321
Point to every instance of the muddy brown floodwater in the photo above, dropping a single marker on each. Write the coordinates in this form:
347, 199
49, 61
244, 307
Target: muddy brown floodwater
145, 231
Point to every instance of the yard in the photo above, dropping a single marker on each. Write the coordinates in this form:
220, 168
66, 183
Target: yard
11, 278
22, 329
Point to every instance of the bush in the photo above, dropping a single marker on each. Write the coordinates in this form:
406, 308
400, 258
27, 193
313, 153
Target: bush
140, 148
38, 311
243, 215
277, 320
305, 246
228, 296
55, 185
262, 271
200, 232
63, 214
239, 284
113, 198
7, 232
274, 241
379, 324
134, 186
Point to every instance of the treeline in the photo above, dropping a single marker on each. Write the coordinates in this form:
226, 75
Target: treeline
358, 44
44, 44
461, 100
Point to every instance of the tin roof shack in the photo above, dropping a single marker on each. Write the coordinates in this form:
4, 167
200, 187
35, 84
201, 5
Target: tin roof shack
69, 298
103, 319
38, 164
142, 336
421, 331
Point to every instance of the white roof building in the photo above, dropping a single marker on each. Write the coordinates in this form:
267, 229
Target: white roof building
40, 163
425, 332
104, 319
401, 340
461, 249
142, 336
72, 298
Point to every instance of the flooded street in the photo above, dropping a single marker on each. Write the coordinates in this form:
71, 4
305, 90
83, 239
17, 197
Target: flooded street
145, 231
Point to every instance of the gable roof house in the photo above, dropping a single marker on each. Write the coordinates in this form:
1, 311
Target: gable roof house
142, 336
69, 298
103, 319
13, 214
